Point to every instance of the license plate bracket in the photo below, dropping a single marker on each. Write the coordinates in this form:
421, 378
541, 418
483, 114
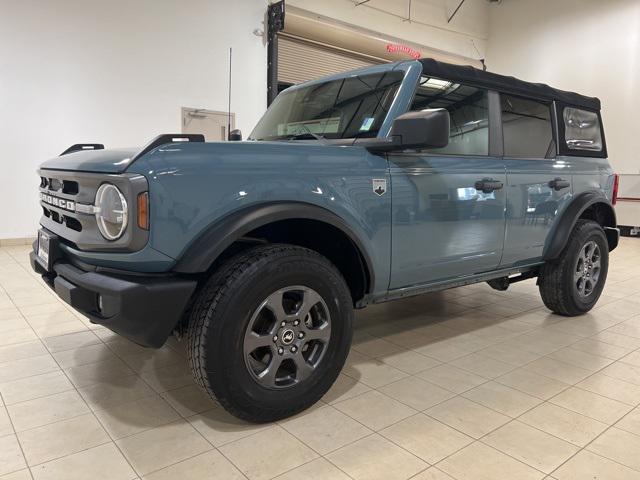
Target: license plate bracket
45, 252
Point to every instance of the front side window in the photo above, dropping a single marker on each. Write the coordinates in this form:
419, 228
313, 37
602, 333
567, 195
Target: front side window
468, 111
526, 127
582, 130
349, 107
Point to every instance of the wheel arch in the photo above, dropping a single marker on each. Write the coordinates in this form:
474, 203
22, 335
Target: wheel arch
284, 222
591, 205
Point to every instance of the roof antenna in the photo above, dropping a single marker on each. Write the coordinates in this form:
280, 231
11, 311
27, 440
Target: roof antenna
229, 106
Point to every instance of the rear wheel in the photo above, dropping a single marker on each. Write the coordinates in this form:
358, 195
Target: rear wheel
572, 284
270, 332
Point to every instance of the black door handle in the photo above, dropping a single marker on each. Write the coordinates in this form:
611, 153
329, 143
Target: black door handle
488, 185
559, 184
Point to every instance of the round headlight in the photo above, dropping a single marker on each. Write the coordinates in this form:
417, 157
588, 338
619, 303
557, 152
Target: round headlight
111, 211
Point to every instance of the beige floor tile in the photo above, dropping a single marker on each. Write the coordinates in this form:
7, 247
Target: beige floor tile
467, 416
11, 458
100, 463
199, 467
115, 391
27, 367
409, 361
618, 340
557, 370
189, 400
375, 458
220, 428
152, 359
484, 366
375, 347
613, 388
51, 330
373, 372
587, 465
44, 410
432, 473
5, 422
169, 377
21, 351
133, 417
50, 318
162, 446
502, 399
580, 359
591, 405
325, 429
20, 335
83, 355
318, 469
56, 440
531, 446
633, 358
532, 383
344, 388
630, 422
375, 410
17, 323
19, 475
451, 378
34, 387
416, 393
426, 438
507, 353
623, 371
618, 445
254, 455
601, 349
562, 423
100, 372
71, 341
481, 462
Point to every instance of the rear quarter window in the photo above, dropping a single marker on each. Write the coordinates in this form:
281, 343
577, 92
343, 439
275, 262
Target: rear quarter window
582, 130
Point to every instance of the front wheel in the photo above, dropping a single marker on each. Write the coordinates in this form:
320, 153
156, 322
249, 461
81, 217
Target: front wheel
270, 332
572, 284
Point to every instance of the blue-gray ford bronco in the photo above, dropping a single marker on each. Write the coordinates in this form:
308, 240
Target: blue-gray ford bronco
354, 189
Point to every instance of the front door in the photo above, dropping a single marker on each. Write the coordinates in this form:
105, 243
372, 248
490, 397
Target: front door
538, 183
448, 204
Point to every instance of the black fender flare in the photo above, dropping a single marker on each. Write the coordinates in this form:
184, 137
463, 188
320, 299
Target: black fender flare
216, 238
568, 218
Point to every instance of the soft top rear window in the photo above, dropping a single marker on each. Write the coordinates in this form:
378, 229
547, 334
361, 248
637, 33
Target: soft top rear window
582, 130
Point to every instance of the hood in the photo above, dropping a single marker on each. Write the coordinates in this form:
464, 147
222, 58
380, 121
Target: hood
98, 161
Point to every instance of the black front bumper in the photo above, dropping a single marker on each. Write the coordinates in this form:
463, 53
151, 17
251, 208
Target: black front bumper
142, 309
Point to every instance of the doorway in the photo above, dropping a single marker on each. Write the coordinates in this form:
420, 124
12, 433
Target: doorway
213, 125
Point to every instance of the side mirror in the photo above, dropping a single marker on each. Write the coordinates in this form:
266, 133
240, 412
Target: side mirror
421, 129
235, 135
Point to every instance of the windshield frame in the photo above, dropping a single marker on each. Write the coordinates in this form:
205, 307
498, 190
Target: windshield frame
399, 104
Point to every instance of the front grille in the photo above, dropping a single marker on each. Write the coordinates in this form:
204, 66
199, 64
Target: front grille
67, 209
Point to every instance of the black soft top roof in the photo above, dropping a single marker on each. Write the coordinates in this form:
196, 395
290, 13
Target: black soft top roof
503, 83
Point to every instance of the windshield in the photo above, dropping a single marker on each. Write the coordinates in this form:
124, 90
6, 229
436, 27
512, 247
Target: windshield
349, 107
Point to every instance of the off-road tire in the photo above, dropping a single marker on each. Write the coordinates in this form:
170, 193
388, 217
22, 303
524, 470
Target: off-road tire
222, 313
556, 280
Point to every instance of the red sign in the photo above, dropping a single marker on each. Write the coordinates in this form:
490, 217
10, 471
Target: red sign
396, 47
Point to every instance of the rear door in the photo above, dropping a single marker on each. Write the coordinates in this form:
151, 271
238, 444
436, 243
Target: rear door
538, 182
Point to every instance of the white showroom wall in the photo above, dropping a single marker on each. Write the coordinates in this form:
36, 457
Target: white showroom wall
115, 72
589, 46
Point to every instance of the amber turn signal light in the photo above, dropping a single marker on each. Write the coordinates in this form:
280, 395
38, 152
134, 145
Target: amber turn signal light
143, 210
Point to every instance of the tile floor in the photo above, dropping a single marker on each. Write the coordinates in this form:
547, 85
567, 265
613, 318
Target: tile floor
465, 384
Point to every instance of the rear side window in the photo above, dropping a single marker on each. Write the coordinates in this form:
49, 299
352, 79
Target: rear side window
526, 127
582, 130
468, 110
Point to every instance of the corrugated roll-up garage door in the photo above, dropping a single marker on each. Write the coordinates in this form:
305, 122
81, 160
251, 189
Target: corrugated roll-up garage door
300, 60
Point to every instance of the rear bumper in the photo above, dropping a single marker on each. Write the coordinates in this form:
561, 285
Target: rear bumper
144, 309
